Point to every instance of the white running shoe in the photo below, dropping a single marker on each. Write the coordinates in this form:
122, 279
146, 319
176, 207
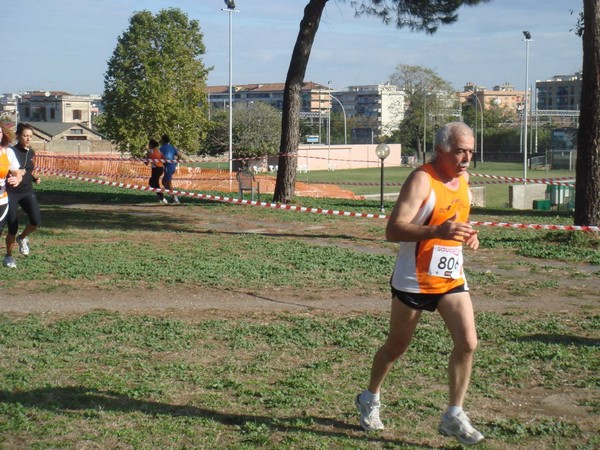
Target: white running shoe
461, 428
369, 414
23, 245
164, 201
175, 200
9, 262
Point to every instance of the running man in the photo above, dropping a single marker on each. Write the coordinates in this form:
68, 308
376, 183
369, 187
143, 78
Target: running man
171, 154
430, 220
155, 157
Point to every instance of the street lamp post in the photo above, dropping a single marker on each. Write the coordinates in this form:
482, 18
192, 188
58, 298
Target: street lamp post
329, 166
478, 103
329, 115
230, 10
382, 151
527, 39
343, 111
424, 126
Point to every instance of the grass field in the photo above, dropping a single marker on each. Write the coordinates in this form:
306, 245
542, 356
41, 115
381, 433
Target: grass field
496, 195
109, 379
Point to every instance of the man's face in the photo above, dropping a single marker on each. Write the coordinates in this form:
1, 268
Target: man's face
456, 161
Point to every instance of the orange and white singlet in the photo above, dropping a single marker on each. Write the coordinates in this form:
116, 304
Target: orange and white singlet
155, 155
8, 162
434, 266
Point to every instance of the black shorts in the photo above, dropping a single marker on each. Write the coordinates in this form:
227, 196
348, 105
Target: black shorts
3, 216
428, 302
28, 203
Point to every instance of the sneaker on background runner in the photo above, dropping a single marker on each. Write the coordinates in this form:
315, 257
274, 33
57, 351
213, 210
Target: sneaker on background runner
9, 262
369, 414
23, 245
461, 428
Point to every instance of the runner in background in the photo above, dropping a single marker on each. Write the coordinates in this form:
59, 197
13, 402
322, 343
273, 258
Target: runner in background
154, 158
22, 195
9, 172
170, 153
430, 220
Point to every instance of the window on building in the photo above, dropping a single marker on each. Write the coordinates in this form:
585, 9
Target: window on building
52, 113
76, 131
76, 114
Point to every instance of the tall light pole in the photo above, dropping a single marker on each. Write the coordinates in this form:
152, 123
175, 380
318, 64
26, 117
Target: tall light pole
343, 111
230, 10
478, 102
329, 115
329, 167
527, 35
424, 126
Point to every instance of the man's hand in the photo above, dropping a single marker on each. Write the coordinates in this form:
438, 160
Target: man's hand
473, 241
13, 180
458, 231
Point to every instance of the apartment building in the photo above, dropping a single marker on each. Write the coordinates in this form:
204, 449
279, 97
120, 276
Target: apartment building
315, 97
57, 107
561, 92
384, 103
501, 96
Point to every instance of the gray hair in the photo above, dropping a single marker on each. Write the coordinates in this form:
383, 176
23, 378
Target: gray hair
445, 137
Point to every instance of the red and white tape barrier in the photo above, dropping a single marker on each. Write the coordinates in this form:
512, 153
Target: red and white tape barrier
499, 179
280, 206
216, 198
535, 226
552, 181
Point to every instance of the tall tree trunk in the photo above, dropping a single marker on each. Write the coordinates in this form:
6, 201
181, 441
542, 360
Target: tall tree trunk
587, 195
292, 98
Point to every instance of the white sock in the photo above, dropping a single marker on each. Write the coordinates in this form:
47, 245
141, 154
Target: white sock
453, 411
368, 396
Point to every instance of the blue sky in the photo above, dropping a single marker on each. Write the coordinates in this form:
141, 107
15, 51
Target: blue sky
65, 44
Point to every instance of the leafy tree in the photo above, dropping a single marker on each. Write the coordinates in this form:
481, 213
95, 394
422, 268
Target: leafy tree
422, 15
155, 82
256, 131
587, 194
426, 94
216, 141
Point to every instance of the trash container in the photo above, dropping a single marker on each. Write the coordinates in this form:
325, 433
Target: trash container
541, 204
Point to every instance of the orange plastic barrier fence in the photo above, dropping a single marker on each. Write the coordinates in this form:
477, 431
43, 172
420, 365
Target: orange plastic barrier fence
186, 178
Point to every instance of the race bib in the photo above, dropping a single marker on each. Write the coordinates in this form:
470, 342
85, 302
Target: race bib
446, 262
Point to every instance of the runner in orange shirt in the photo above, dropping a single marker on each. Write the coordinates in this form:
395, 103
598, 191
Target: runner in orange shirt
155, 157
9, 171
430, 220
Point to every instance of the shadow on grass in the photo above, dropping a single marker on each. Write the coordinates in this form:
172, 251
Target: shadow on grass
102, 220
161, 217
59, 399
562, 339
111, 196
